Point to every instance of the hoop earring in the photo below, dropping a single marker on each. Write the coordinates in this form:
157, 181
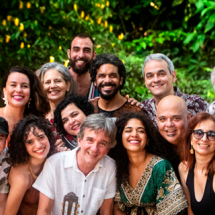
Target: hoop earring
191, 150
29, 102
5, 100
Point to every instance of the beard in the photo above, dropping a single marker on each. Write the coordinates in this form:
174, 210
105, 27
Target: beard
110, 95
80, 70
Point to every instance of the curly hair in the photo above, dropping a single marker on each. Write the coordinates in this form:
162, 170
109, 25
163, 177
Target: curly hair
157, 145
80, 101
39, 104
107, 59
17, 150
186, 156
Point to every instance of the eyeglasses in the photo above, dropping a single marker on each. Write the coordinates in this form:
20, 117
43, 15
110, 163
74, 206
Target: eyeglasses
198, 134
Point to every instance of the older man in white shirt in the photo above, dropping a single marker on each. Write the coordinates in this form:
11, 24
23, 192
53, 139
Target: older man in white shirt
81, 180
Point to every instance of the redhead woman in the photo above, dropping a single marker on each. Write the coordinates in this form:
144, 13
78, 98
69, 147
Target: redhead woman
197, 169
146, 182
23, 95
57, 83
69, 115
31, 143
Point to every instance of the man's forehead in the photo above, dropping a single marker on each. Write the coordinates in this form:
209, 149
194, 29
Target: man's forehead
154, 66
82, 42
100, 133
170, 112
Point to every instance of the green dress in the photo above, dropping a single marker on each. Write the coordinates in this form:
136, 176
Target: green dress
157, 192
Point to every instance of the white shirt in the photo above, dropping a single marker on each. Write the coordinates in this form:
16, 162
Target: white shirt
61, 176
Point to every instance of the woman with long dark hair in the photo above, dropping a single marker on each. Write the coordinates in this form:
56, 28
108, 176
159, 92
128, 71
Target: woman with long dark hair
23, 95
197, 168
31, 143
146, 182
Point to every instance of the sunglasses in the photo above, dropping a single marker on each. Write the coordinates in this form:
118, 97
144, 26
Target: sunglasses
198, 134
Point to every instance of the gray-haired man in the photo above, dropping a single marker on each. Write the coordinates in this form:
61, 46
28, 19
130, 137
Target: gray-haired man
85, 175
159, 75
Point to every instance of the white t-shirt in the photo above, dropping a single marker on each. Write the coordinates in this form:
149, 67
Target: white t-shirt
61, 176
4, 170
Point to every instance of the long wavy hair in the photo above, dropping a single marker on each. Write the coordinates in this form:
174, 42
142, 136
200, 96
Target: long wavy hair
39, 105
157, 145
185, 155
17, 150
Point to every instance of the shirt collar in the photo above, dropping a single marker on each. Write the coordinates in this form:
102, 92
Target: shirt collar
71, 161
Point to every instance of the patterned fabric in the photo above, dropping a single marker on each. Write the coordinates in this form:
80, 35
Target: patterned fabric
211, 108
195, 104
5, 166
157, 192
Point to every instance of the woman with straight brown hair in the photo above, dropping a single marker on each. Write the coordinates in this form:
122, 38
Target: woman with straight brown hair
198, 166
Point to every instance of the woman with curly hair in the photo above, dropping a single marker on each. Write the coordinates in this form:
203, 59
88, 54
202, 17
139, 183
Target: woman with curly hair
31, 143
23, 95
197, 168
146, 182
69, 115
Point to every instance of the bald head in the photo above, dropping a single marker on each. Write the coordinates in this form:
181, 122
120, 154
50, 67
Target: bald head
172, 118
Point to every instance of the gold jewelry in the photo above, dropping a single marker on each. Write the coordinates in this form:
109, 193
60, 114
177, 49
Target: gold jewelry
191, 150
32, 173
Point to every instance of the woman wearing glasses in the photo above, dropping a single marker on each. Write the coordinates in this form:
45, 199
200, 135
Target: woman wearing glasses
198, 166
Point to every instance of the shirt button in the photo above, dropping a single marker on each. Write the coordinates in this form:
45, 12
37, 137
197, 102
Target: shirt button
82, 211
83, 196
85, 181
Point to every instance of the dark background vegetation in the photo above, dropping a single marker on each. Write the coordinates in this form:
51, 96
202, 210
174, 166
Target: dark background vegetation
184, 30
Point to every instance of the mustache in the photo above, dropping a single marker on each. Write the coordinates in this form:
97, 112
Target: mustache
107, 84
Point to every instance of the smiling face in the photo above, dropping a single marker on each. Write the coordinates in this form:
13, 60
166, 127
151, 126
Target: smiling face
55, 86
108, 81
72, 117
134, 137
17, 89
37, 144
204, 146
81, 55
94, 145
158, 78
172, 120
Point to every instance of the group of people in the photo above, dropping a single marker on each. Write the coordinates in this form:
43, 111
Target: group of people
71, 143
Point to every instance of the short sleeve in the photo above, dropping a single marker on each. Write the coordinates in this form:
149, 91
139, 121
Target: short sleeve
45, 181
118, 201
111, 187
4, 171
170, 198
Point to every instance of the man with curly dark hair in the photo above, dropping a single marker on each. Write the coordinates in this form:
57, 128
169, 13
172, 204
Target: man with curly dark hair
108, 74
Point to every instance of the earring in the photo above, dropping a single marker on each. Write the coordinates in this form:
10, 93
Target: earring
29, 102
191, 150
5, 100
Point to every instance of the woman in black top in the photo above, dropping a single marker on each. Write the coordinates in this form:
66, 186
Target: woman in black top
68, 117
198, 166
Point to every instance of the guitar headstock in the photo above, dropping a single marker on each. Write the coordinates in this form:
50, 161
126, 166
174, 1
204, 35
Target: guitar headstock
70, 204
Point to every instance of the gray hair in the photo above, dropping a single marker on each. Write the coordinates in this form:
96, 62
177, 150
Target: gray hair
60, 68
99, 122
158, 57
213, 77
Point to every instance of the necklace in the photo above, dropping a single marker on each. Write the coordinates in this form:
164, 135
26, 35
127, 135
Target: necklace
32, 173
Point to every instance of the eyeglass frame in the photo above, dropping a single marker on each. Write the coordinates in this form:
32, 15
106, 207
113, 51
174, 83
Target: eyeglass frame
203, 134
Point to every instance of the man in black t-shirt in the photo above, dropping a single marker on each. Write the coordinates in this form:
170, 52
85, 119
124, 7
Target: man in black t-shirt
108, 75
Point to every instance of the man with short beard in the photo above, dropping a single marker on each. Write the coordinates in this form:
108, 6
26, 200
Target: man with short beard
108, 75
80, 57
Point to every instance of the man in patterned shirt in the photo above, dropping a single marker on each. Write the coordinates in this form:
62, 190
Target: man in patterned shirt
159, 75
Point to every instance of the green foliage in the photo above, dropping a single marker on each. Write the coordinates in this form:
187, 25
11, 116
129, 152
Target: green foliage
183, 30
